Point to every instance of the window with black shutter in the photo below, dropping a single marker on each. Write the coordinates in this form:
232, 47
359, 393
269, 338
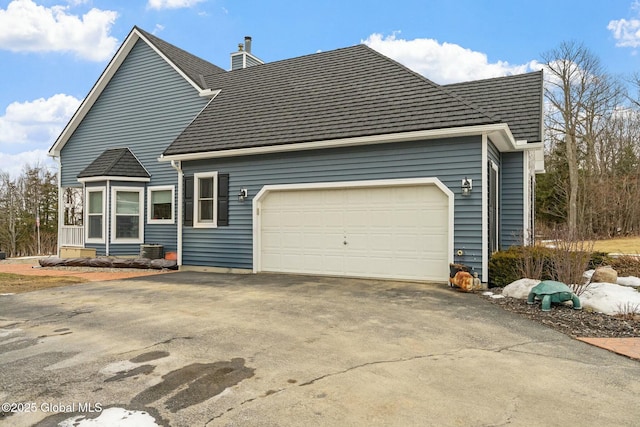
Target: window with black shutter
188, 201
223, 199
203, 208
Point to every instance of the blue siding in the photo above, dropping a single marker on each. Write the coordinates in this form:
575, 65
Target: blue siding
512, 205
493, 153
144, 107
449, 160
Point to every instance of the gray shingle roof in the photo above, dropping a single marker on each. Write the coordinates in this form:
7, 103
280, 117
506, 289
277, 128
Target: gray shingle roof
344, 93
193, 66
516, 100
115, 162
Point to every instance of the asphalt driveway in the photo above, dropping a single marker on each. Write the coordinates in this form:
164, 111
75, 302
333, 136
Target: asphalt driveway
194, 349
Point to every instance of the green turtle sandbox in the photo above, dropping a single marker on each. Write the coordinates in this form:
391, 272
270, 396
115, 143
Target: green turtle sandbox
549, 291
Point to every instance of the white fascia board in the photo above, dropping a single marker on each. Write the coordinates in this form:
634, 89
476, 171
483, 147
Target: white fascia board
497, 129
101, 84
113, 178
178, 70
209, 93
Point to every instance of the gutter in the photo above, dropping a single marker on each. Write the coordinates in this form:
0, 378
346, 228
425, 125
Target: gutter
504, 140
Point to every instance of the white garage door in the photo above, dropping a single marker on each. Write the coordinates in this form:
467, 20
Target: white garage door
397, 232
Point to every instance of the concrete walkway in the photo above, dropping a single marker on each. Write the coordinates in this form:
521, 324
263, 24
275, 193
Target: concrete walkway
629, 347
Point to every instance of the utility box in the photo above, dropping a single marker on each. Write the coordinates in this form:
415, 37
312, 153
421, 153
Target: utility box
152, 251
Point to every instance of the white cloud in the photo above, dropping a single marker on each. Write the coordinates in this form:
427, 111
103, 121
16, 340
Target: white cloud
14, 164
36, 122
443, 62
626, 32
172, 4
28, 27
158, 29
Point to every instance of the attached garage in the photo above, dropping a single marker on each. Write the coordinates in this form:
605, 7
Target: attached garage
392, 229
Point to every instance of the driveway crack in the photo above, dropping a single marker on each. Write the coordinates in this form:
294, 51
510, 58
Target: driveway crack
378, 362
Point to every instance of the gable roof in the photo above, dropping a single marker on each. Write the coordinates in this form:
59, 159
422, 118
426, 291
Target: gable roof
187, 65
516, 100
194, 67
345, 93
115, 162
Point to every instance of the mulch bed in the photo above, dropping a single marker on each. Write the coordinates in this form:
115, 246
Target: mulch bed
576, 323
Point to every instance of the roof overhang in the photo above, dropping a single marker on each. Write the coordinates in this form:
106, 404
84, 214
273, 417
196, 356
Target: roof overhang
499, 133
113, 178
102, 82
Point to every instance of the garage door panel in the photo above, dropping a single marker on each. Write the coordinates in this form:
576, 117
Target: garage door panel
390, 232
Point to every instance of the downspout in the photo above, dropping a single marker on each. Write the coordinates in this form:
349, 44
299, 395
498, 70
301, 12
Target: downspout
107, 219
485, 208
177, 165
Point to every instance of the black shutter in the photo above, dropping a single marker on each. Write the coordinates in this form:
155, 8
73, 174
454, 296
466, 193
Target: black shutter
223, 199
187, 219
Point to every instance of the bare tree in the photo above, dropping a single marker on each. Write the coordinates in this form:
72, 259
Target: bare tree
575, 82
28, 224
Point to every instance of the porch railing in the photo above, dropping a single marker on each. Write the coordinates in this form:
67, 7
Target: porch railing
71, 235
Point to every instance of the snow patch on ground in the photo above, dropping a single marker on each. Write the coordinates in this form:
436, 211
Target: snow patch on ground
492, 295
610, 298
631, 281
112, 417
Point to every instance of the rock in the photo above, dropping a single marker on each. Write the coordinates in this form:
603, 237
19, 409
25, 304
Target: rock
520, 288
605, 274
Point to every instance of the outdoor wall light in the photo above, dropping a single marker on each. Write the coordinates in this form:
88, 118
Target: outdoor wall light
243, 194
467, 186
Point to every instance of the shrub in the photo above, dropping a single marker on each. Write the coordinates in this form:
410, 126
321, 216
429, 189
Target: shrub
626, 265
504, 267
598, 259
538, 262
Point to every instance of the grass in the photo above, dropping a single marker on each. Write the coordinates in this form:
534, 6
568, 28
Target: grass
622, 245
16, 283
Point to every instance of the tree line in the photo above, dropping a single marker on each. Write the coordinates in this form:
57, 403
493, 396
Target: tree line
592, 145
29, 212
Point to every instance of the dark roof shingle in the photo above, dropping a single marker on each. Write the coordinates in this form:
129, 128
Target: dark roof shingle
516, 100
345, 93
115, 162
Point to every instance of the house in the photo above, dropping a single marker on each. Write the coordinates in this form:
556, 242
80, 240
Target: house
342, 163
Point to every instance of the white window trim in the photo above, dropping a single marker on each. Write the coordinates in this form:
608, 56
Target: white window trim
150, 219
196, 200
140, 191
86, 214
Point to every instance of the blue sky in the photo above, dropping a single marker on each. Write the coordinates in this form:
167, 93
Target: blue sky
53, 51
